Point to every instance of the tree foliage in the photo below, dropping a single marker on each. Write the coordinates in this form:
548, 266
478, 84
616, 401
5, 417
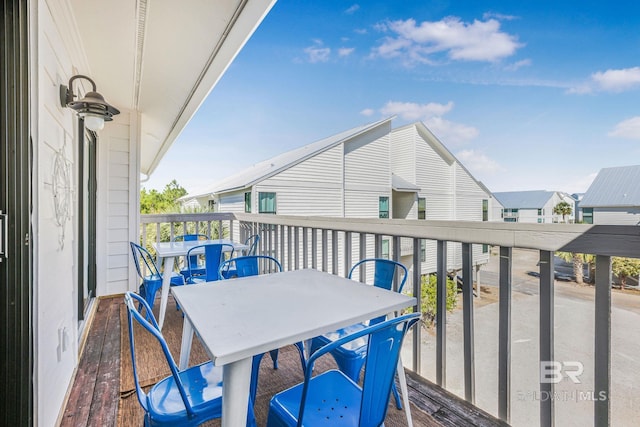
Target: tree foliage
153, 201
563, 208
624, 268
429, 297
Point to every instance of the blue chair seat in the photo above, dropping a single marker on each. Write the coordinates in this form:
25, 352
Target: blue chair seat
203, 386
333, 399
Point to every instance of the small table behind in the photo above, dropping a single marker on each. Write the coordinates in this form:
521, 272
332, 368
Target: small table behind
237, 319
168, 251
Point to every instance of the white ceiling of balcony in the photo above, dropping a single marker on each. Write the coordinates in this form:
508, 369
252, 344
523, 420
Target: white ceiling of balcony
161, 58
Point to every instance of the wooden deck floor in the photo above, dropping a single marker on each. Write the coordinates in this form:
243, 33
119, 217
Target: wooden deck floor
95, 396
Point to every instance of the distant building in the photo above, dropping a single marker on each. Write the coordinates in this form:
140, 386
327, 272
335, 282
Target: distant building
578, 201
370, 171
613, 197
533, 206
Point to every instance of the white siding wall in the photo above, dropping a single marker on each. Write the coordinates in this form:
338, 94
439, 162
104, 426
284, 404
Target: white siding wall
311, 187
55, 292
403, 153
59, 56
619, 216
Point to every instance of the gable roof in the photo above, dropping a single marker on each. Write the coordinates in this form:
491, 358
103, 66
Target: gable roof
617, 186
399, 184
535, 199
267, 168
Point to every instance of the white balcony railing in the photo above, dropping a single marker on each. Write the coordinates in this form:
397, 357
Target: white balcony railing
334, 244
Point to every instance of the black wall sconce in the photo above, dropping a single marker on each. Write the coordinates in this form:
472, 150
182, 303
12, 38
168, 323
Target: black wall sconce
92, 108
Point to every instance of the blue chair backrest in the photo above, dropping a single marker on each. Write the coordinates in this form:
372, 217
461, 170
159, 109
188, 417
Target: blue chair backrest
213, 256
252, 242
193, 261
384, 273
145, 265
149, 323
383, 350
249, 265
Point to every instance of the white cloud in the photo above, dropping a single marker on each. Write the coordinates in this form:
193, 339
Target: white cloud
629, 129
317, 52
414, 111
450, 133
346, 51
500, 16
476, 41
610, 81
518, 64
478, 163
368, 112
617, 80
353, 9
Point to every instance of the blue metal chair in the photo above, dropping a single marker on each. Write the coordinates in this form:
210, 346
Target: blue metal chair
252, 242
186, 398
332, 398
351, 357
150, 274
213, 254
197, 270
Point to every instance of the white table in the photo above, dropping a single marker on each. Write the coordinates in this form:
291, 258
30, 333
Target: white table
168, 251
237, 319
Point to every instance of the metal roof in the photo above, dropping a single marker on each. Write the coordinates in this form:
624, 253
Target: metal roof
535, 199
270, 167
400, 184
617, 186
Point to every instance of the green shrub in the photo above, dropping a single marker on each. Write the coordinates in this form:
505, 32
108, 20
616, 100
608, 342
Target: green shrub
429, 297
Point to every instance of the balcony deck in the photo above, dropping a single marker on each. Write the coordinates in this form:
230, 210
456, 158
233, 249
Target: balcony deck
95, 397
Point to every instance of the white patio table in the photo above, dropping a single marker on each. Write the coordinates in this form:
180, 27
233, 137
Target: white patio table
239, 318
168, 251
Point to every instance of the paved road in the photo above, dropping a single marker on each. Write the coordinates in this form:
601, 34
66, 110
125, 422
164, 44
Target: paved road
574, 326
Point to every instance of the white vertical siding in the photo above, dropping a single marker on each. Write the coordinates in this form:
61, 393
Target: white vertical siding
619, 216
366, 162
403, 153
312, 187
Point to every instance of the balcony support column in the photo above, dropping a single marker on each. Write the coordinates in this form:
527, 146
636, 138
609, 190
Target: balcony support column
396, 258
305, 247
467, 320
547, 407
347, 253
417, 293
296, 248
504, 335
441, 315
314, 248
325, 250
602, 357
334, 251
363, 255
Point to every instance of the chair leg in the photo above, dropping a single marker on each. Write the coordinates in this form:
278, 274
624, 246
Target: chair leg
274, 357
303, 361
396, 396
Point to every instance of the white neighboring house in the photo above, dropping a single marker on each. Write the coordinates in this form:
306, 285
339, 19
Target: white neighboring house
370, 171
534, 206
613, 197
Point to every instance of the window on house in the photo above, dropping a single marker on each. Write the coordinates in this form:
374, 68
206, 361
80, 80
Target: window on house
485, 210
211, 204
540, 212
587, 215
485, 248
247, 202
383, 207
422, 208
385, 249
267, 203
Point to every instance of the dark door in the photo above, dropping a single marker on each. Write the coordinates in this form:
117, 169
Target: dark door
87, 190
16, 328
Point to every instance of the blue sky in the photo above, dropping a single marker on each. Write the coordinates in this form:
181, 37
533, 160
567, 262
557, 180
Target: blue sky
529, 95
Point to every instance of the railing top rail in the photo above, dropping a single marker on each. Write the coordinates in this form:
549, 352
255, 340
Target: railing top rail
610, 240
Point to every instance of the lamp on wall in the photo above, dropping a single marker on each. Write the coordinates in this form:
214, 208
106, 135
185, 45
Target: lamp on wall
92, 108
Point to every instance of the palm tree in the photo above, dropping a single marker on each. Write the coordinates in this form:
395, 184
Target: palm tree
578, 260
564, 209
